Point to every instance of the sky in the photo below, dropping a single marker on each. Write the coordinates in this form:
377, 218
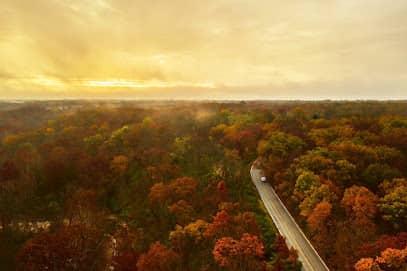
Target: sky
212, 49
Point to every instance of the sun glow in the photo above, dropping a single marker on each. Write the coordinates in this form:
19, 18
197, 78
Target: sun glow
222, 49
50, 82
115, 83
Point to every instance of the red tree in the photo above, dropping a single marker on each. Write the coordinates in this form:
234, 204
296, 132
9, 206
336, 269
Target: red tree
70, 248
158, 258
244, 254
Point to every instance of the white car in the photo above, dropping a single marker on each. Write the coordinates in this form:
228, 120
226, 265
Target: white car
263, 179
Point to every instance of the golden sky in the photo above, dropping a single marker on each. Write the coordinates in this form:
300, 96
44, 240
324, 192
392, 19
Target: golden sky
211, 49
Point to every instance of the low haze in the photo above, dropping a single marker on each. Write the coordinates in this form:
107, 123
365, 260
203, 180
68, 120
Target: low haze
211, 49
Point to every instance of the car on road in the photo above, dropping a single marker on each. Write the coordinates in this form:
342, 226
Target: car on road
263, 179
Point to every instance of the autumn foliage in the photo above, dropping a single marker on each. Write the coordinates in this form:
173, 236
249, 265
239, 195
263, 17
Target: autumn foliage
243, 254
161, 186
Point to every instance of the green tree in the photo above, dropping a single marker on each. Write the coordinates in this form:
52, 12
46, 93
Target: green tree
393, 206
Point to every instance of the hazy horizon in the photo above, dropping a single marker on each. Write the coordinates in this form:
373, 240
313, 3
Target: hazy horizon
192, 100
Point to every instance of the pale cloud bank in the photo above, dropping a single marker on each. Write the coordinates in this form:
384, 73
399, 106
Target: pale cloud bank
214, 49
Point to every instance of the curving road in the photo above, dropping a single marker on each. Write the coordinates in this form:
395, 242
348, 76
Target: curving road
287, 226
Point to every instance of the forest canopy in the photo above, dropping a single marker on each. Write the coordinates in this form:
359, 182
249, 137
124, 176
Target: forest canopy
166, 186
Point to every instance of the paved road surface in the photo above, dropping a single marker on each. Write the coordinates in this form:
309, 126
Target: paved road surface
287, 226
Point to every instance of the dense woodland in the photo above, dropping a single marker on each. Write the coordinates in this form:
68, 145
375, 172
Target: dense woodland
166, 186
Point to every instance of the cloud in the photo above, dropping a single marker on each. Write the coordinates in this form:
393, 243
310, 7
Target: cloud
312, 45
4, 75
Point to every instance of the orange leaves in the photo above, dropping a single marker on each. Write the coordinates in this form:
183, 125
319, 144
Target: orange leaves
225, 250
175, 196
182, 210
241, 135
246, 222
163, 172
159, 193
220, 225
394, 259
360, 202
243, 254
218, 131
320, 223
180, 206
226, 225
158, 258
373, 248
324, 136
319, 215
361, 208
189, 241
193, 231
367, 264
181, 188
390, 259
69, 248
119, 163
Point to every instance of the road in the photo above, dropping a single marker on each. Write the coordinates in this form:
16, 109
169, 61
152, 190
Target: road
287, 226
